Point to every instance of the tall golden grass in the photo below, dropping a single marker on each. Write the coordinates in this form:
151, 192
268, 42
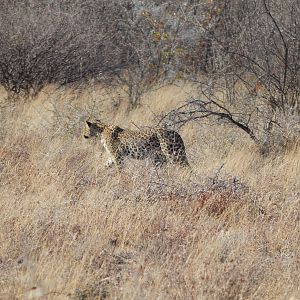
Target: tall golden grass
72, 229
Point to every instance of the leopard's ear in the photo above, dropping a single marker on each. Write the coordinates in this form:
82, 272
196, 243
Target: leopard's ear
88, 123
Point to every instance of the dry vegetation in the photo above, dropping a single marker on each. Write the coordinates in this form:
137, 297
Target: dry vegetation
72, 229
224, 73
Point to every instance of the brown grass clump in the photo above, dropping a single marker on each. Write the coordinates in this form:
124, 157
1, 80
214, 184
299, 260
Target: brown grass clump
72, 229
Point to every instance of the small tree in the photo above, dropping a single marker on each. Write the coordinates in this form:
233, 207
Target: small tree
254, 82
150, 39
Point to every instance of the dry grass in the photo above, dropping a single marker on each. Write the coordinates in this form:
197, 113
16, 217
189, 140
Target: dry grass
71, 229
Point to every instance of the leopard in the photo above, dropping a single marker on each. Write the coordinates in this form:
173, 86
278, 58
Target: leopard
160, 146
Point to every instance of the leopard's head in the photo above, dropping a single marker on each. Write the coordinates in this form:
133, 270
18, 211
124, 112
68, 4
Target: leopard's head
93, 129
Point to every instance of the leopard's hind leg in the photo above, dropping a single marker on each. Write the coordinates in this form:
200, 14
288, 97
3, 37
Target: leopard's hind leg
173, 147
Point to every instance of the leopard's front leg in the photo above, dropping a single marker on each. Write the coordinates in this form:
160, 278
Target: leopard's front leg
115, 159
110, 162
